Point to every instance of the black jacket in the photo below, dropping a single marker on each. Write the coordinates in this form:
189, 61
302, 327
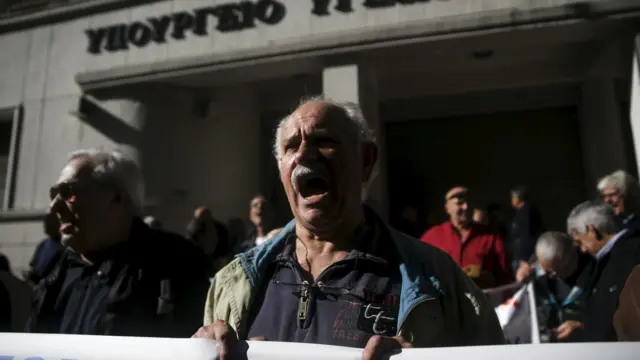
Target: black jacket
559, 300
5, 309
526, 226
157, 288
609, 276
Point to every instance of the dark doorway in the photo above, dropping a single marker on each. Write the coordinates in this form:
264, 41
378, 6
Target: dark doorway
489, 154
271, 186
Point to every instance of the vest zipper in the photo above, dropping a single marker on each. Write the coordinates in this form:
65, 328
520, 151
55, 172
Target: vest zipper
303, 305
421, 300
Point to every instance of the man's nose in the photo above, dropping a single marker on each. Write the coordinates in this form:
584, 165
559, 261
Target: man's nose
306, 151
59, 206
55, 203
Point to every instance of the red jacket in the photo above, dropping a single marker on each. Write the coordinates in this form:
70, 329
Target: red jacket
482, 248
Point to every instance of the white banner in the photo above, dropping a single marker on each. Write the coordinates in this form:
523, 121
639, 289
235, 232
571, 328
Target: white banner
82, 347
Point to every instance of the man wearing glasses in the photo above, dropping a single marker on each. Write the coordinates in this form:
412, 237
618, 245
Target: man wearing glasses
337, 274
622, 192
117, 276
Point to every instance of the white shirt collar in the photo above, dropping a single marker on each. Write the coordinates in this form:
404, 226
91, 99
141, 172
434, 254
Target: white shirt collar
607, 248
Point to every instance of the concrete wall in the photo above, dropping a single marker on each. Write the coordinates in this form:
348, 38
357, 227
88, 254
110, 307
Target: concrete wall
601, 128
635, 97
69, 40
215, 159
187, 160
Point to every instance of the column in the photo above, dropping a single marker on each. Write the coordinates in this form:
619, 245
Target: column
117, 115
136, 120
601, 128
635, 100
357, 83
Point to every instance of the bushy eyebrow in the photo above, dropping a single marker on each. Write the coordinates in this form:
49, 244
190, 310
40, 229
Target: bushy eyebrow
315, 133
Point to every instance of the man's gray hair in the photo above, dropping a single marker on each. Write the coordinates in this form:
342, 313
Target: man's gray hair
356, 118
624, 183
117, 169
520, 192
553, 245
621, 181
601, 216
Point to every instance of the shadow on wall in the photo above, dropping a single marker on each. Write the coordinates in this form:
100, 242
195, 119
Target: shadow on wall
93, 114
139, 119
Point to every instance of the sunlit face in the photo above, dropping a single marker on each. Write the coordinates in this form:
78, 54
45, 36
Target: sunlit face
515, 201
259, 210
86, 209
457, 206
323, 165
479, 216
588, 243
614, 198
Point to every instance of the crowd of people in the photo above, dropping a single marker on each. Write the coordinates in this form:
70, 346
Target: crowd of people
337, 274
587, 277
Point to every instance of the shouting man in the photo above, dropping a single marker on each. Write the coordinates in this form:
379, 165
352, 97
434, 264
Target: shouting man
337, 274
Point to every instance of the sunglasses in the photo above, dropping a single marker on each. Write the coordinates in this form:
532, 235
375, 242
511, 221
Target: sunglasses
66, 191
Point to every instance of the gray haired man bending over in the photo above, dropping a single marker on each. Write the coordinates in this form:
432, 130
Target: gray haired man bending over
561, 272
599, 232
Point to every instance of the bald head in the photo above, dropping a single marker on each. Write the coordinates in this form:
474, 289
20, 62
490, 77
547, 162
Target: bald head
201, 211
457, 206
326, 154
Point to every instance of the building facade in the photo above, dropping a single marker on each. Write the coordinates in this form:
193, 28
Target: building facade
489, 94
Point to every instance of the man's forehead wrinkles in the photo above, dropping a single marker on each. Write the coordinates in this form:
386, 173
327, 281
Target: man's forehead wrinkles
308, 132
305, 116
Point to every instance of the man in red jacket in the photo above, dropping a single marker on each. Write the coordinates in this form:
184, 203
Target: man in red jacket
474, 247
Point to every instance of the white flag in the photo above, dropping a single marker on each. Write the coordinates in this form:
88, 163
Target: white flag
518, 316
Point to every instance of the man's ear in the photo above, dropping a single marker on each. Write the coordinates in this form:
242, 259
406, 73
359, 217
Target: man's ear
592, 230
369, 160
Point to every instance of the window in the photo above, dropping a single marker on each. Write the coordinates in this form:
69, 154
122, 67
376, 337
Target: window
9, 139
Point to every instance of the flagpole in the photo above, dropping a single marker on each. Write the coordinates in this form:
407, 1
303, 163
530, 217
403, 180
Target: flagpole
535, 330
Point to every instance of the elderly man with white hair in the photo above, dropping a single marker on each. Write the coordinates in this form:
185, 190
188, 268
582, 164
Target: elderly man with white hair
561, 272
599, 233
622, 192
117, 276
337, 274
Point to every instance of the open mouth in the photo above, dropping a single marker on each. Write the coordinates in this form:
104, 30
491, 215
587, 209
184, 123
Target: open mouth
313, 186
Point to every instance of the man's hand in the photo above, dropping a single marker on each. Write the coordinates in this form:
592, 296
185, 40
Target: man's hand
525, 270
228, 343
567, 328
473, 271
378, 346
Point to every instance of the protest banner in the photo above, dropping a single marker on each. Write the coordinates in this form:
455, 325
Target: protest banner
499, 295
84, 347
518, 314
